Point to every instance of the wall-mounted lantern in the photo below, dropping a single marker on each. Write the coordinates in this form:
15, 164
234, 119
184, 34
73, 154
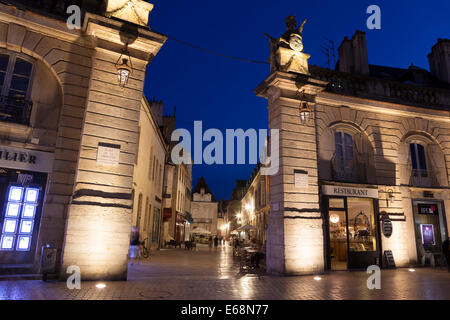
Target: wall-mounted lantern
305, 110
390, 197
124, 68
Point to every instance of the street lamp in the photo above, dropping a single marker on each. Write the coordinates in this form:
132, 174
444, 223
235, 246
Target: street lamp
305, 110
391, 197
124, 68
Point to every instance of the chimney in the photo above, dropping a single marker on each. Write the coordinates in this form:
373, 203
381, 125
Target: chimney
439, 60
353, 54
157, 108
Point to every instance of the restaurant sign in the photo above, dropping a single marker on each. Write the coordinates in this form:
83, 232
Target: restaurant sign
341, 191
24, 159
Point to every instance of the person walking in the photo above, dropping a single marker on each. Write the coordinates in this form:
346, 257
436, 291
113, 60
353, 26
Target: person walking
210, 240
134, 244
446, 252
216, 242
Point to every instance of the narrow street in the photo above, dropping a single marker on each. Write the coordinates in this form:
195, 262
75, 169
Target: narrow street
207, 274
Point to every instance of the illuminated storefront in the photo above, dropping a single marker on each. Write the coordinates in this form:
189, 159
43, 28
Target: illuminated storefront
351, 228
23, 181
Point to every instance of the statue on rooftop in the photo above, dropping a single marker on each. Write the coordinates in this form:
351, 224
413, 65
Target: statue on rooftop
286, 52
135, 11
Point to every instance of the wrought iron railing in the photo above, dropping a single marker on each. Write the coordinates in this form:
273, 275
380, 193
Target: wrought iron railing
15, 110
349, 170
423, 178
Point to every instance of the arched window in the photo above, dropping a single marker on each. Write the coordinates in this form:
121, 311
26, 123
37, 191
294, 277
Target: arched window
15, 84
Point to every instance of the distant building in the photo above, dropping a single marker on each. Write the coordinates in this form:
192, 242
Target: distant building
149, 173
255, 207
177, 192
204, 209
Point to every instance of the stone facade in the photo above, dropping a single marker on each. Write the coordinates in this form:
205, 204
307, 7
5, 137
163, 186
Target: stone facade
204, 209
385, 117
86, 211
255, 206
148, 174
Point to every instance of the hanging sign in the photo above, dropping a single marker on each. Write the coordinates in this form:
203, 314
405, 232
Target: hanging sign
386, 226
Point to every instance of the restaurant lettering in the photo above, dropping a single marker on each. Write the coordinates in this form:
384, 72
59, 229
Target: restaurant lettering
342, 191
350, 192
17, 157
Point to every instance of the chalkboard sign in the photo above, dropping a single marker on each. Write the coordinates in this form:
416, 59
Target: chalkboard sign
386, 226
389, 259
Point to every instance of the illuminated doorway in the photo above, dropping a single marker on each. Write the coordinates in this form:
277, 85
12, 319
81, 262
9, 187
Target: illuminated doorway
351, 231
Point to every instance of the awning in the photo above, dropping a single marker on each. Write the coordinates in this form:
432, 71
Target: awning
247, 227
200, 231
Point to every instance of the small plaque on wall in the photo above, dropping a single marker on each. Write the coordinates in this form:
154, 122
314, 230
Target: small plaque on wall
275, 206
108, 153
301, 178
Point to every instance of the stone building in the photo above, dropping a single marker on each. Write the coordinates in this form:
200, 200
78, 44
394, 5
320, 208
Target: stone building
234, 207
69, 130
149, 173
177, 191
255, 207
364, 158
204, 209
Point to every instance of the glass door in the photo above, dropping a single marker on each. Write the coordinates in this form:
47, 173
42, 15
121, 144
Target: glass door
337, 234
362, 229
351, 233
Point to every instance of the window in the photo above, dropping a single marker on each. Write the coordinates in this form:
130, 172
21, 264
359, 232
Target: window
418, 158
15, 79
153, 168
150, 163
139, 211
147, 213
156, 224
344, 164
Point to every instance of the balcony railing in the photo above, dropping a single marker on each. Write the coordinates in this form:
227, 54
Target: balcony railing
349, 170
15, 110
423, 178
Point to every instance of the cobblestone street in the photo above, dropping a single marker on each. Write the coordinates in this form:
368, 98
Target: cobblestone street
209, 274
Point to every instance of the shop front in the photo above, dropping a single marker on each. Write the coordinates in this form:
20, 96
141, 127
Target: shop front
350, 228
430, 228
23, 181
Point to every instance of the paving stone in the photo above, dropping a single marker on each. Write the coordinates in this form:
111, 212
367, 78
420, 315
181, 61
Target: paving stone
214, 275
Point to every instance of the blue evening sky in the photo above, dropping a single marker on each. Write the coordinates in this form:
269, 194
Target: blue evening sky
219, 91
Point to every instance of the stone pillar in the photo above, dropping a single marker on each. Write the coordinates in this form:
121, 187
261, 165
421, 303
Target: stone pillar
100, 214
295, 243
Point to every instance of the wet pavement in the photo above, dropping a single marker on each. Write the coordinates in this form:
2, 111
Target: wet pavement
210, 274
